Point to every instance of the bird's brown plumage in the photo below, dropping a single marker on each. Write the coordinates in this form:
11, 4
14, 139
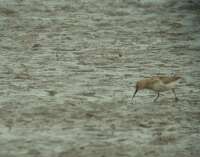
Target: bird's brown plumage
167, 79
157, 83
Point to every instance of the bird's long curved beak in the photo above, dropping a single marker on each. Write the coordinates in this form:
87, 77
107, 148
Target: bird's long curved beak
136, 90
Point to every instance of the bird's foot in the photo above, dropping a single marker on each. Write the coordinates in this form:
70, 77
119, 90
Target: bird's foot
154, 100
176, 99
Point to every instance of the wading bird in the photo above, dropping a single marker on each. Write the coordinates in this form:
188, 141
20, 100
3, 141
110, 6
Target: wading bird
158, 84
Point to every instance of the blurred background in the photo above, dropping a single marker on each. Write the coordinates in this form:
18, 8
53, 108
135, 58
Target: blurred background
68, 70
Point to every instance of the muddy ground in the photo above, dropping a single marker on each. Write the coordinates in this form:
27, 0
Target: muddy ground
67, 75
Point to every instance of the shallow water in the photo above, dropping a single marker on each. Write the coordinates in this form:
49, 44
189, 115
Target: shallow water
68, 70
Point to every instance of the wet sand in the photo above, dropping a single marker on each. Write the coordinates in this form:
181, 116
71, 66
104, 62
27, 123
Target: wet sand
68, 70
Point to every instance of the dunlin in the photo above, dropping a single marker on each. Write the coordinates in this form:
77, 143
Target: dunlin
158, 84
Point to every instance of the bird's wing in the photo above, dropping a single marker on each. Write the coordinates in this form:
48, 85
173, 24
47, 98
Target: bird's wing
167, 80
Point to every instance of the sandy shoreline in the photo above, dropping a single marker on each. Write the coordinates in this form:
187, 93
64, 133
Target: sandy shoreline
67, 74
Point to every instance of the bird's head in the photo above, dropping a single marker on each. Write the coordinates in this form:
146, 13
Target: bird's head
139, 86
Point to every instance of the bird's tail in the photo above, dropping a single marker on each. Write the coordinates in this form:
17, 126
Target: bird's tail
176, 78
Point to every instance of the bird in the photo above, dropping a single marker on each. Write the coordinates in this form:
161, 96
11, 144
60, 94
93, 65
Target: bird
158, 84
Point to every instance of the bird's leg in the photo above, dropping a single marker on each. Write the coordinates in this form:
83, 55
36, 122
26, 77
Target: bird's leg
173, 90
157, 97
